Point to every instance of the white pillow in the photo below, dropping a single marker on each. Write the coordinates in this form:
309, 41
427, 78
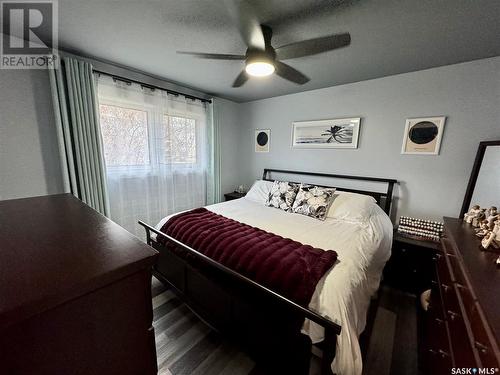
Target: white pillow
259, 192
351, 207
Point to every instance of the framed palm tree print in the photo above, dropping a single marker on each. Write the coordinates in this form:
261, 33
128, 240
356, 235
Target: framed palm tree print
334, 133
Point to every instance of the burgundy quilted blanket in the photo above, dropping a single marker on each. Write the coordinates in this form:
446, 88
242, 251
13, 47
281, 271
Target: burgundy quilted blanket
280, 264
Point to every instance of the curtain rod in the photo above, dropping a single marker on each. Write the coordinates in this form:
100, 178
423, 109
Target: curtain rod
147, 85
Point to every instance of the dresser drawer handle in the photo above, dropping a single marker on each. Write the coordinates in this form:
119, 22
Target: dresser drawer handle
460, 286
443, 353
440, 321
445, 287
482, 348
453, 314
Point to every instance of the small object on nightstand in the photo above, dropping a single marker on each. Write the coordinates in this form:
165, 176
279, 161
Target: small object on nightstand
233, 195
420, 229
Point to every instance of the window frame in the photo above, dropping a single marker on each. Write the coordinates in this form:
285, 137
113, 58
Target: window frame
197, 120
152, 121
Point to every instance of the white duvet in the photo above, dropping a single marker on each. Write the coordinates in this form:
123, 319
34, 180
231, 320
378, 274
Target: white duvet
344, 293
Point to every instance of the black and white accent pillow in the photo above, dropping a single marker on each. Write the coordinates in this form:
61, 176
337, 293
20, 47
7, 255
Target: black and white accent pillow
313, 201
282, 195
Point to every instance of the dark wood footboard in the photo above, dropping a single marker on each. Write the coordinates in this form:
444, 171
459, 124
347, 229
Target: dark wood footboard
266, 324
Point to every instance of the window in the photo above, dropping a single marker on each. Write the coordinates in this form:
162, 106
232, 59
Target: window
125, 135
179, 141
156, 151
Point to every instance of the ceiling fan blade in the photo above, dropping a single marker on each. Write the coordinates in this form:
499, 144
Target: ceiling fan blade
248, 24
287, 72
241, 79
213, 56
313, 46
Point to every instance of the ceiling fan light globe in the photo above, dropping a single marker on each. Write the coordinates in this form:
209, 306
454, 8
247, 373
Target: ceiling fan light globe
259, 68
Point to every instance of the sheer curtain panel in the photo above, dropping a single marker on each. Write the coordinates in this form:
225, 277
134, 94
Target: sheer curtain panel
77, 123
214, 193
157, 153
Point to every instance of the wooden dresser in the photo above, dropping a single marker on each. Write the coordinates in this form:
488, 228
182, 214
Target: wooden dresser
462, 326
75, 291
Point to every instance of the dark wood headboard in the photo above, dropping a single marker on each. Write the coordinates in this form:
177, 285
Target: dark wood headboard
384, 199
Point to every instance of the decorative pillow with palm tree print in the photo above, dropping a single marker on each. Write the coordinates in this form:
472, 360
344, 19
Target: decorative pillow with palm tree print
313, 201
282, 195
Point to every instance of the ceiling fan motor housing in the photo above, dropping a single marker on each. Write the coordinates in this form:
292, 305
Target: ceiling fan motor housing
268, 56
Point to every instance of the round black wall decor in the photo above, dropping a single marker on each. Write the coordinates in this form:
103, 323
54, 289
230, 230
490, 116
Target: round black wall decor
423, 132
262, 139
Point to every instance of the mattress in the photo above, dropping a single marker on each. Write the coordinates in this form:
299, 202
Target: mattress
343, 294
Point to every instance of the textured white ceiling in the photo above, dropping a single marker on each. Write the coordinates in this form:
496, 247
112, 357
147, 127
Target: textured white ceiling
388, 37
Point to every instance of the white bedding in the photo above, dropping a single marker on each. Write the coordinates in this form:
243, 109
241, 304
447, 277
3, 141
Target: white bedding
344, 293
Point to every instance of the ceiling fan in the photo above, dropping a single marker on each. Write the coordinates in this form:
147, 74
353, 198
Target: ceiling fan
261, 58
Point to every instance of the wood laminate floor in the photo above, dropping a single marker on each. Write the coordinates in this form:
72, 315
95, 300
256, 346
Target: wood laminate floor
187, 346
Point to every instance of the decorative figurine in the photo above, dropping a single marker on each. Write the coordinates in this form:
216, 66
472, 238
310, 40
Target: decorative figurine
473, 211
488, 240
483, 230
480, 216
493, 215
496, 230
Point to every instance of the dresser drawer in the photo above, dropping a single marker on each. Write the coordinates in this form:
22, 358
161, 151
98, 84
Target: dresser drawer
435, 309
438, 362
447, 247
443, 270
450, 300
460, 340
468, 301
484, 346
457, 272
436, 334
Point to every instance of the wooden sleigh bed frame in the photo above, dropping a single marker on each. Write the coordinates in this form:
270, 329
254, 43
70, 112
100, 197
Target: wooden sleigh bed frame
266, 324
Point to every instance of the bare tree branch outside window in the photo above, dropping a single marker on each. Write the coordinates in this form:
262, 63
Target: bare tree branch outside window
125, 135
126, 139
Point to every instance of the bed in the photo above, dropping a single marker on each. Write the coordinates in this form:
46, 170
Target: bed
265, 322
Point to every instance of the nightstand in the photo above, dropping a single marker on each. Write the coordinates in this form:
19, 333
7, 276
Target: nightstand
233, 195
411, 266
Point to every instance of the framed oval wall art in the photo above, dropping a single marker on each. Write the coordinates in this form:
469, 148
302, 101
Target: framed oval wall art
422, 136
262, 139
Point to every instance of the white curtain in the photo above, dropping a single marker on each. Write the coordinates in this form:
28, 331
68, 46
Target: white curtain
156, 152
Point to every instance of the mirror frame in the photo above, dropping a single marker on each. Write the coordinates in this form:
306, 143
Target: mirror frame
474, 174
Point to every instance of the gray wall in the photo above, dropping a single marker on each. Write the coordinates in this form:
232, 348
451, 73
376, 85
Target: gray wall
467, 94
230, 124
29, 157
